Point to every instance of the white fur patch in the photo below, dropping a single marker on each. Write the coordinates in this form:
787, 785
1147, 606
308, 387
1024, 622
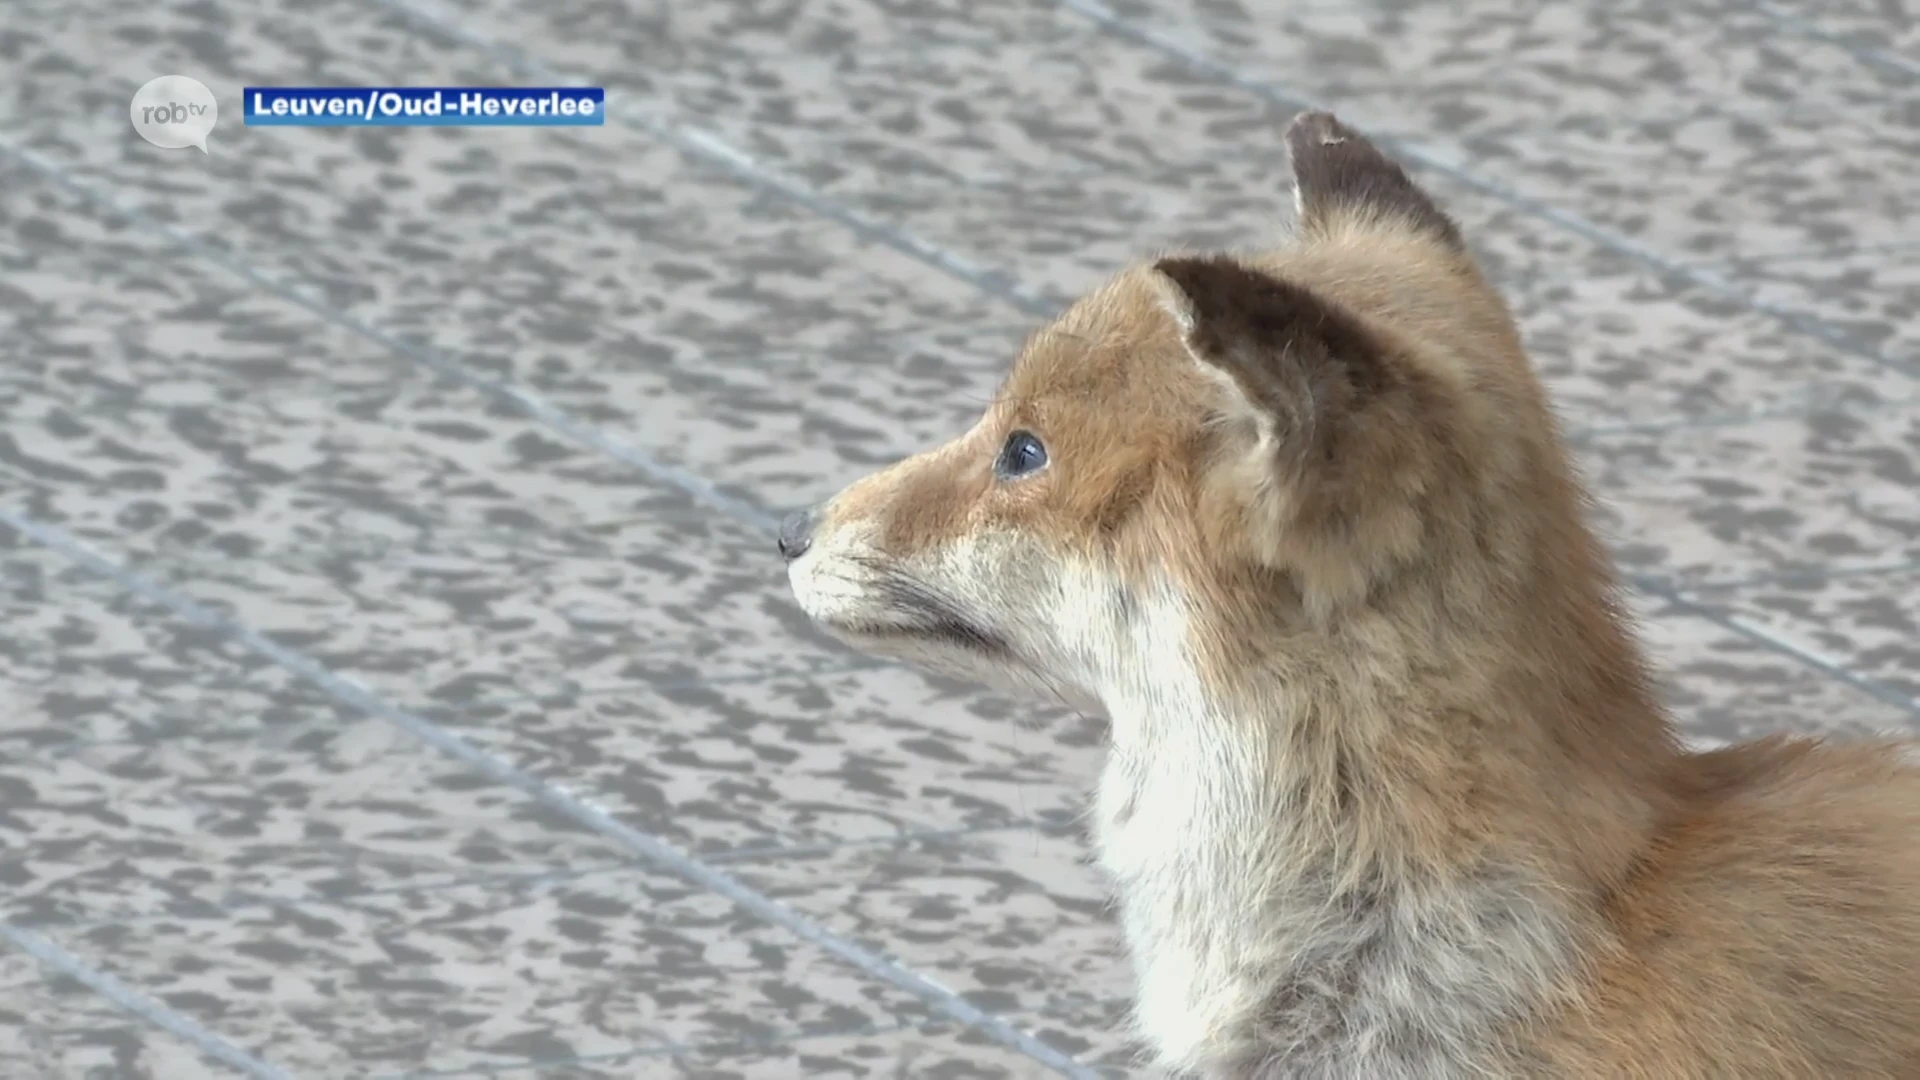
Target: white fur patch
830, 581
1249, 961
1001, 583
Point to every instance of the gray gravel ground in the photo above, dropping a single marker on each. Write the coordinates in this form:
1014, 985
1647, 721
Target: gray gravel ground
396, 674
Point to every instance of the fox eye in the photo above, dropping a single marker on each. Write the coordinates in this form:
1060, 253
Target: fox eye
1022, 454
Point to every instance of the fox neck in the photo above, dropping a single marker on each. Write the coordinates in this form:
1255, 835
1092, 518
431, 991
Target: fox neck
1313, 883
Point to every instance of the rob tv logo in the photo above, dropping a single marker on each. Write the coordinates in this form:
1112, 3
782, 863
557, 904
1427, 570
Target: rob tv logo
174, 111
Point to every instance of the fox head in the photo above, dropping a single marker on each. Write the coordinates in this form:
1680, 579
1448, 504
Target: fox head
1233, 471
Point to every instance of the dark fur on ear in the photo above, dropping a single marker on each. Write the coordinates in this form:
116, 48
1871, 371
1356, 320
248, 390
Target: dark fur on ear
1297, 359
1350, 433
1338, 173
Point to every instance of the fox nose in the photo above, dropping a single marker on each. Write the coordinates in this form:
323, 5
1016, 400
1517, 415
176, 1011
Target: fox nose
796, 534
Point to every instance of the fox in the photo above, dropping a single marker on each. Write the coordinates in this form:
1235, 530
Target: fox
1389, 792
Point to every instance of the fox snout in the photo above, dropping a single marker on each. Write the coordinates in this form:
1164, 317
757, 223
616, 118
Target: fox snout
796, 533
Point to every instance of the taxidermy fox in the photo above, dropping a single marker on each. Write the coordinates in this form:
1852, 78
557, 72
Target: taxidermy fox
1388, 794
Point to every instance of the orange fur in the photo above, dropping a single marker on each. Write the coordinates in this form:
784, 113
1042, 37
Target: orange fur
1308, 533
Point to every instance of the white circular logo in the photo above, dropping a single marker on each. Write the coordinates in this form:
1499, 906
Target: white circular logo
174, 111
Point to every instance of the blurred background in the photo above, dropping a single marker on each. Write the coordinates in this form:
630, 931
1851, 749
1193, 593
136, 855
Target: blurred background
396, 674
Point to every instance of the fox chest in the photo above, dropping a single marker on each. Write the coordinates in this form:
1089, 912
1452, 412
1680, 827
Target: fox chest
1248, 967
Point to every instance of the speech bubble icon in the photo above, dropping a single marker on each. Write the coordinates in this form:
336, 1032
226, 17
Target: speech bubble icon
174, 111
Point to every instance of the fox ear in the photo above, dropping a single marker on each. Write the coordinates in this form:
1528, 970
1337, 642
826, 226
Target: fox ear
1290, 360
1341, 178
1330, 427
